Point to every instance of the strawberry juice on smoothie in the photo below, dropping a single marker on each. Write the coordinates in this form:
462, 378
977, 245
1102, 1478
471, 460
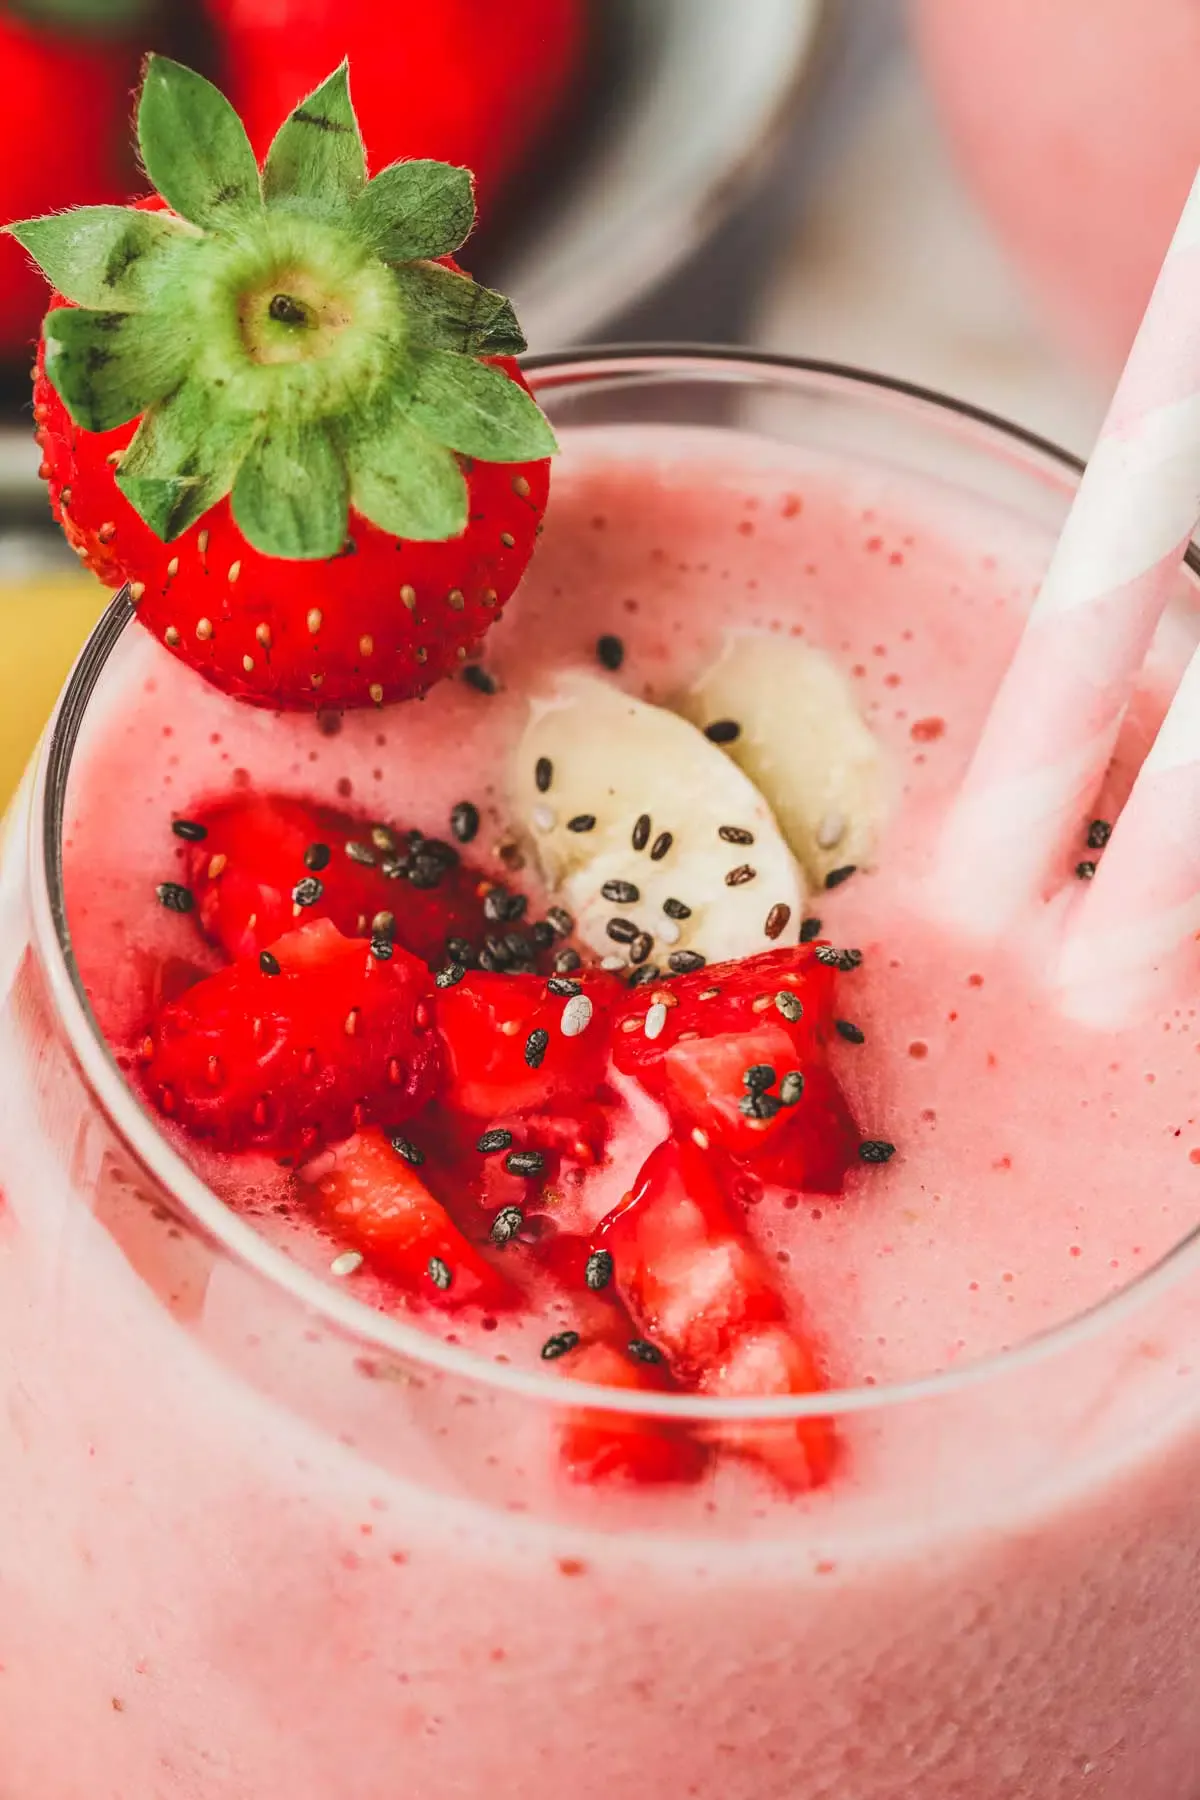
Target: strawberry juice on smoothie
302, 1492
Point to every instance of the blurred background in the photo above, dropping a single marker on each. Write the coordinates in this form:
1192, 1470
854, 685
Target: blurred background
971, 194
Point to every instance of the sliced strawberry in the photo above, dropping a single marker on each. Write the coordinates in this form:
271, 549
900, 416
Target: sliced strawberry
257, 849
608, 1446
701, 1292
515, 1043
297, 1048
373, 1200
738, 1052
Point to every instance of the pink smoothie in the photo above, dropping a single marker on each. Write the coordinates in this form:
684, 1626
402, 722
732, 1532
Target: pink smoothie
247, 1555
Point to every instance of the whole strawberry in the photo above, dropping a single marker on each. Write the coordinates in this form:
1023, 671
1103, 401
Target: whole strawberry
273, 405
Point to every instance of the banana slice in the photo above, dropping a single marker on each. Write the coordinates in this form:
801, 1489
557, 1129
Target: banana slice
655, 842
802, 741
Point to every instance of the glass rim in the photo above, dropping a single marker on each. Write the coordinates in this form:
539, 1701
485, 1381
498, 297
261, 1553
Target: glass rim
237, 1237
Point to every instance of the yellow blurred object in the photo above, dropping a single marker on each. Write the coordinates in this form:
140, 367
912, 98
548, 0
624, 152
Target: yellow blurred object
43, 622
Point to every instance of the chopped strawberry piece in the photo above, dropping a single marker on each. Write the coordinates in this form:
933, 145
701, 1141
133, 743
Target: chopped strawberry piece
605, 1446
513, 1043
699, 1289
373, 1200
297, 1048
258, 849
738, 1052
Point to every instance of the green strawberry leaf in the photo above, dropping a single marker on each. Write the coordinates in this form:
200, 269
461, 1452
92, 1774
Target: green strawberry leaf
445, 311
108, 367
110, 257
408, 485
194, 146
182, 460
477, 410
290, 496
414, 209
318, 154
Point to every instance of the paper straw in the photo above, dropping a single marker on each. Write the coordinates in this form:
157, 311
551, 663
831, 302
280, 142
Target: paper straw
1052, 726
1135, 929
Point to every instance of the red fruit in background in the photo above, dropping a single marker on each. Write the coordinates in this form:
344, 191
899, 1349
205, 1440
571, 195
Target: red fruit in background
701, 1291
608, 1446
462, 80
506, 1049
296, 1050
373, 1200
66, 108
298, 432
258, 847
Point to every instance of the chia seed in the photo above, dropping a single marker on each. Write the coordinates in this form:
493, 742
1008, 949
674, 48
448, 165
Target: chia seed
776, 921
735, 834
501, 907
1085, 870
660, 846
582, 822
308, 891
758, 1077
268, 964
543, 774
560, 920
740, 876
723, 731
542, 933
564, 990
536, 1045
316, 857
851, 1033
876, 1150
406, 1149
641, 831
621, 893
385, 839
791, 1087
685, 962
496, 1139
440, 1273
759, 1106
382, 949
559, 1345
450, 976
599, 1270
836, 877
525, 1162
1099, 832
640, 947
189, 830
476, 676
788, 1006
362, 854
640, 976
425, 871
506, 1224
464, 821
675, 909
621, 931
845, 960
610, 652
383, 925
177, 898
810, 929
460, 950
567, 961
643, 1351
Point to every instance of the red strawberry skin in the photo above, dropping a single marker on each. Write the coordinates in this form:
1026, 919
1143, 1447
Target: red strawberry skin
486, 1023
698, 1288
375, 1202
244, 871
391, 617
66, 105
597, 1446
285, 1062
458, 80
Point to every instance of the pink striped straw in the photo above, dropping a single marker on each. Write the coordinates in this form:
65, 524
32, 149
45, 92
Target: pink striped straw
1133, 934
1051, 730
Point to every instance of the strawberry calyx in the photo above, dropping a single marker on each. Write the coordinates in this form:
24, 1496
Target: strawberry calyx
292, 337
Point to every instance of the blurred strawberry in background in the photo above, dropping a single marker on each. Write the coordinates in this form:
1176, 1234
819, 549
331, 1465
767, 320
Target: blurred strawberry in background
474, 82
69, 68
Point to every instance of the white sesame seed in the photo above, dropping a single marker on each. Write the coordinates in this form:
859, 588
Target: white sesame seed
544, 818
612, 962
831, 830
576, 1015
348, 1263
668, 930
656, 1020
699, 1138
315, 619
